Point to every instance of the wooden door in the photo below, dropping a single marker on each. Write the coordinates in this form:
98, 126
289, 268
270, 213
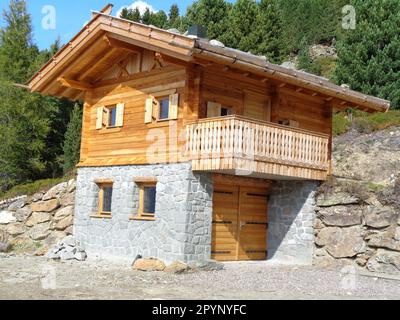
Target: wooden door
252, 224
239, 223
225, 223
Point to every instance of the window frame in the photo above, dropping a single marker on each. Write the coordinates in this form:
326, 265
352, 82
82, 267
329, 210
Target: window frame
100, 202
142, 184
158, 100
109, 108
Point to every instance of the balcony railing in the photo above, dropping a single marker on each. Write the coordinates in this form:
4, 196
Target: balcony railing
238, 143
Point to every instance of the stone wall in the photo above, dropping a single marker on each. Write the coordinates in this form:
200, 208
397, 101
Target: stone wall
352, 231
291, 215
34, 224
181, 232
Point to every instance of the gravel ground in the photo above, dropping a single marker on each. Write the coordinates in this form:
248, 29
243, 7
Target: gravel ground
27, 277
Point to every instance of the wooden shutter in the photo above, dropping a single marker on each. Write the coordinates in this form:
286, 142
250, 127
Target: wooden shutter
99, 119
173, 106
106, 116
149, 110
213, 109
119, 121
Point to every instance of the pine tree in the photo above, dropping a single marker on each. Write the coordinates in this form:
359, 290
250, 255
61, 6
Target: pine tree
72, 141
173, 16
369, 56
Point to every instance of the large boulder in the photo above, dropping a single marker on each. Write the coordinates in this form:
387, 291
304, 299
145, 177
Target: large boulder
341, 242
150, 264
15, 229
39, 231
18, 204
387, 239
7, 217
45, 206
384, 262
67, 200
63, 213
22, 214
379, 217
177, 267
38, 217
54, 192
340, 216
335, 199
62, 224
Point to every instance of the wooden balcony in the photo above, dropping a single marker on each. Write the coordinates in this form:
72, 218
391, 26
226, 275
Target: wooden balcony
242, 146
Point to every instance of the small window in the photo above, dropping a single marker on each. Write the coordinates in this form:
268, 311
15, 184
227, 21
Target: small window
147, 200
112, 116
163, 104
105, 198
226, 111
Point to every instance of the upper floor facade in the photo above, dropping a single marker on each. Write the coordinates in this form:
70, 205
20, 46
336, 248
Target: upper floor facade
153, 96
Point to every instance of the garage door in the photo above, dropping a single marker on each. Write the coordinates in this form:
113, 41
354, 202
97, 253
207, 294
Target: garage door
240, 222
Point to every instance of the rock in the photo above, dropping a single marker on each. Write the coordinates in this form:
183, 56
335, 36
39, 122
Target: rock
63, 213
41, 251
22, 214
4, 246
63, 224
39, 231
7, 217
68, 241
45, 206
54, 192
150, 264
70, 249
18, 204
217, 43
37, 197
177, 267
52, 255
80, 256
385, 240
209, 265
67, 200
320, 252
15, 229
341, 242
290, 65
64, 255
37, 218
71, 185
334, 199
341, 216
379, 217
318, 224
69, 230
384, 262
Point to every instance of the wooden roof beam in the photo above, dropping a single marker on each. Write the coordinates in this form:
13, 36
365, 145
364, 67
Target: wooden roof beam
114, 43
68, 83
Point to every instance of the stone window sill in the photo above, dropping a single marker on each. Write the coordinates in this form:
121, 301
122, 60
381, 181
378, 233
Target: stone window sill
101, 216
139, 218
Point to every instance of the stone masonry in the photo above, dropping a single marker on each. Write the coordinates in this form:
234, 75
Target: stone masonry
181, 232
291, 217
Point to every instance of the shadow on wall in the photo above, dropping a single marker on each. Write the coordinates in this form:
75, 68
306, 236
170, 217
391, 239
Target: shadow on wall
291, 217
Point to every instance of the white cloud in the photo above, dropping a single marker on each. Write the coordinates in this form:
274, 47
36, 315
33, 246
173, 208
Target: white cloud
141, 5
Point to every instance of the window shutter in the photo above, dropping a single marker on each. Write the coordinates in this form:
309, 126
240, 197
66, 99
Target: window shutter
119, 122
173, 106
106, 116
99, 119
213, 109
149, 110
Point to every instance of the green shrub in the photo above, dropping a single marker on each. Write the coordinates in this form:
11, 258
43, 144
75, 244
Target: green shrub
367, 123
340, 124
32, 188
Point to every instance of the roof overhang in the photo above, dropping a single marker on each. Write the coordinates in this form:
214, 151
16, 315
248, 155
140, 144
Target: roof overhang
106, 38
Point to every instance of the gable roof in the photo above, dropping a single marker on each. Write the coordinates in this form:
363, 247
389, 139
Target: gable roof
106, 38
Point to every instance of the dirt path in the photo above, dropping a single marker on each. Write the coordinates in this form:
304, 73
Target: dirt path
26, 277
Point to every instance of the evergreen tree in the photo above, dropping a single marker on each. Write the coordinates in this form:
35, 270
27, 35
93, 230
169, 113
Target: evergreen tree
173, 16
72, 141
369, 56
211, 14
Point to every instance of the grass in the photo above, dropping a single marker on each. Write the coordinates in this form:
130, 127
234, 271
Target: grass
32, 188
365, 122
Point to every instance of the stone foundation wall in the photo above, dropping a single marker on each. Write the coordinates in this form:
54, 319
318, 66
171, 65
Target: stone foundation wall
181, 232
363, 233
291, 216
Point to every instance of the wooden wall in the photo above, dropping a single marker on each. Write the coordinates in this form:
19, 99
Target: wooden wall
130, 144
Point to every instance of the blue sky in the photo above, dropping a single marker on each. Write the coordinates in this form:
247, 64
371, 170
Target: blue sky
71, 15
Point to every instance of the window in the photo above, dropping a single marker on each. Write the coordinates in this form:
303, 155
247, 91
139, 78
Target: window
163, 106
147, 199
112, 116
215, 109
226, 111
105, 198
